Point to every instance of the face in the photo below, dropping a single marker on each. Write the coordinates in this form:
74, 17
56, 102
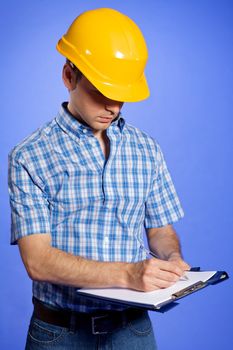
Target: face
88, 105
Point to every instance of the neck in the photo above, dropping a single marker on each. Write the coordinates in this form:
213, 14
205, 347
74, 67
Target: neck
100, 134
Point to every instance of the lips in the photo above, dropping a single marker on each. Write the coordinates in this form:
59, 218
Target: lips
105, 119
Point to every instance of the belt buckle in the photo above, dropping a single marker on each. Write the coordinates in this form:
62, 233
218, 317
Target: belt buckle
94, 324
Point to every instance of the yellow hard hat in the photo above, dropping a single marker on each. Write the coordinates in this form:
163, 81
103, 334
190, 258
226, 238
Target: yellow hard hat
109, 49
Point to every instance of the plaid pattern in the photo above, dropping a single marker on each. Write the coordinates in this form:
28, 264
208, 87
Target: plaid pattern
60, 182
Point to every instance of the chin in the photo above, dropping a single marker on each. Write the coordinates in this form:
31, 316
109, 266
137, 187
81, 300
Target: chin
102, 126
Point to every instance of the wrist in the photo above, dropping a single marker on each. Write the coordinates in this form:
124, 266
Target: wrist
118, 275
174, 256
126, 275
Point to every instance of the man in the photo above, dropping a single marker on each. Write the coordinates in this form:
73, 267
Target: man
83, 187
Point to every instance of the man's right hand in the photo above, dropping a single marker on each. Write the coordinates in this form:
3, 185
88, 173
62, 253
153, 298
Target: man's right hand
152, 274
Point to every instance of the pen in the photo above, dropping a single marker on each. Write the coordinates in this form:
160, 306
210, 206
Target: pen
149, 252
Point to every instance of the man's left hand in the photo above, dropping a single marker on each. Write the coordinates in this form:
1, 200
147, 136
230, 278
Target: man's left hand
177, 260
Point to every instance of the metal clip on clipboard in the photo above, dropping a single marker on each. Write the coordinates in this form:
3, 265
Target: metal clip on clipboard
191, 289
171, 302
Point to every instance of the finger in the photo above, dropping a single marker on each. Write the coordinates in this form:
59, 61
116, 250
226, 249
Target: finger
161, 284
170, 267
187, 267
167, 276
182, 264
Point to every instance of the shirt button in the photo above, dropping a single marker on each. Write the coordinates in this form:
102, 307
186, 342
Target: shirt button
84, 131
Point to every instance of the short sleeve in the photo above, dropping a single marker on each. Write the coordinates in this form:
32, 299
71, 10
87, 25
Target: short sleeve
29, 205
162, 206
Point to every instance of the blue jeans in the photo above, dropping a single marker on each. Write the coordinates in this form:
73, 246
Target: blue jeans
137, 334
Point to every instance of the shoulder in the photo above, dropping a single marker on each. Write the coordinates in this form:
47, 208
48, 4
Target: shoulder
35, 143
143, 139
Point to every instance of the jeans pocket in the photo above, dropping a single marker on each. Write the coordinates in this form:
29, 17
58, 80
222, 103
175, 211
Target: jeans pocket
45, 333
141, 325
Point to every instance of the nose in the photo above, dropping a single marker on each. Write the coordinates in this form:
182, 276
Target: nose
113, 106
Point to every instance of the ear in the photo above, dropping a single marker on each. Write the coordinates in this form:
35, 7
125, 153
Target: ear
68, 77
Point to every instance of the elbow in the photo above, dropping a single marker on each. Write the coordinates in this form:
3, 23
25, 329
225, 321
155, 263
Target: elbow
35, 268
34, 271
34, 251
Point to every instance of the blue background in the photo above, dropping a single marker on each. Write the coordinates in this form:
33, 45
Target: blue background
189, 112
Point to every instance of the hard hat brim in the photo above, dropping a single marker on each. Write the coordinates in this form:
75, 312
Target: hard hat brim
131, 93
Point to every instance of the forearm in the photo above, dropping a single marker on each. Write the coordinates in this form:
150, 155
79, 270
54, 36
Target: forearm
53, 265
164, 242
66, 269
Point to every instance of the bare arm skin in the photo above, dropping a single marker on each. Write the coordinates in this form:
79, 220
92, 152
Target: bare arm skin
152, 274
164, 242
45, 263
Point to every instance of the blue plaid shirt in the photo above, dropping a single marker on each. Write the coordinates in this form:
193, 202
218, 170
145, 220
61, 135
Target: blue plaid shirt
60, 183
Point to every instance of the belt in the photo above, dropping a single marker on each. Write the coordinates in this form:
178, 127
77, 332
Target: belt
101, 322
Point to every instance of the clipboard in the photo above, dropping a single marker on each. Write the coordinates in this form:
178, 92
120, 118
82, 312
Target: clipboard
159, 300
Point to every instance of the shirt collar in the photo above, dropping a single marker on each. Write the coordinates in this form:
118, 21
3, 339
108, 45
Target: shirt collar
71, 125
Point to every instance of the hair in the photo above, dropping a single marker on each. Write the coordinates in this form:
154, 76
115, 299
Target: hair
78, 73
